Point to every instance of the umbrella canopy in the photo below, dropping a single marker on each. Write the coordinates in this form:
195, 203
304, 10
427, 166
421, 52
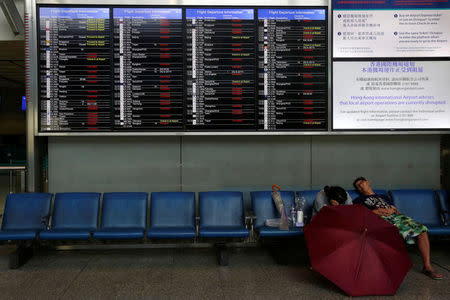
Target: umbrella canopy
357, 250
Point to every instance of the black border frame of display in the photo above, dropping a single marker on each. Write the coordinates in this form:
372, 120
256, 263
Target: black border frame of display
113, 128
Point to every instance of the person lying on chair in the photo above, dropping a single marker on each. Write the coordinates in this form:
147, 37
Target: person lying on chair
331, 195
409, 229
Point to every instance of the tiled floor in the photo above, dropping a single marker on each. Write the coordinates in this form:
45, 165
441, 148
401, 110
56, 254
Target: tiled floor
189, 274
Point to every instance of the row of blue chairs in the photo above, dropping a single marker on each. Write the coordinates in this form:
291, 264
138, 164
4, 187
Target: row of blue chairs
75, 216
429, 207
124, 216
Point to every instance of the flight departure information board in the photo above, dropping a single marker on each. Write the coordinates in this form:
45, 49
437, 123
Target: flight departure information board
182, 69
220, 68
148, 68
75, 89
292, 63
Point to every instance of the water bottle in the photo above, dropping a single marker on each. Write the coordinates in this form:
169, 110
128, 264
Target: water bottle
297, 201
293, 214
299, 205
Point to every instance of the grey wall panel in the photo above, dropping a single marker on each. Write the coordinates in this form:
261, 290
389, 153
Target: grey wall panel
409, 161
114, 164
242, 163
245, 163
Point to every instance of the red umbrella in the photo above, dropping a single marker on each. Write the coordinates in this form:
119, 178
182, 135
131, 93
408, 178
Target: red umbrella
357, 250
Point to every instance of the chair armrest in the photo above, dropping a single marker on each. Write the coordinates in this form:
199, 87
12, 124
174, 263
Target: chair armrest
250, 217
250, 214
443, 218
45, 220
197, 225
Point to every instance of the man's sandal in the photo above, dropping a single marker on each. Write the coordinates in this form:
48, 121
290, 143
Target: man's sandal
432, 274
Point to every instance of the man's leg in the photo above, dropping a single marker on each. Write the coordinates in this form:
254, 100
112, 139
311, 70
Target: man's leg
424, 248
423, 244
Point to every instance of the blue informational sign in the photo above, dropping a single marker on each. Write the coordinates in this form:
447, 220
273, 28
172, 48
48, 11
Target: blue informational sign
148, 13
220, 14
291, 14
390, 4
24, 103
74, 12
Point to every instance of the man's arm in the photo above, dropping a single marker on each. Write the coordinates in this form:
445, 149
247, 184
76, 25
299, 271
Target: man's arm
385, 211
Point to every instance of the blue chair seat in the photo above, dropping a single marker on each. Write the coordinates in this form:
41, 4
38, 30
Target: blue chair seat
65, 234
75, 216
224, 231
172, 215
119, 233
171, 233
22, 217
438, 230
17, 235
266, 231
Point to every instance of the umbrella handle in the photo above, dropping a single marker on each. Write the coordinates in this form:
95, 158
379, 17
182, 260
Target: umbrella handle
276, 186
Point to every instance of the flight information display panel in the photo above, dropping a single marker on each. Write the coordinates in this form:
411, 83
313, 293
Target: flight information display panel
292, 69
75, 85
220, 67
175, 68
148, 68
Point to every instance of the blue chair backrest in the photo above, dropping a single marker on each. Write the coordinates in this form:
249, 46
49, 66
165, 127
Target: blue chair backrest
444, 201
172, 209
421, 205
124, 210
354, 194
25, 211
264, 208
221, 209
309, 195
76, 211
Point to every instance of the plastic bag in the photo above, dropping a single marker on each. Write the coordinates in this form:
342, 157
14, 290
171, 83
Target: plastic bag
273, 222
276, 197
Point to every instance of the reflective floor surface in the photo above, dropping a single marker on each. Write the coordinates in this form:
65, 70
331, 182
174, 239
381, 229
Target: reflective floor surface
191, 274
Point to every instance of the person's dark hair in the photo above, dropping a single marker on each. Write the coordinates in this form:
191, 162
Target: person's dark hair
358, 179
336, 193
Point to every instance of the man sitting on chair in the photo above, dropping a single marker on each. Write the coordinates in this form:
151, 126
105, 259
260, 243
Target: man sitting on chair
409, 229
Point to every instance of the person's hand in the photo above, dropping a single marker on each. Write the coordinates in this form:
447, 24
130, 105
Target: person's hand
385, 211
395, 209
381, 211
334, 202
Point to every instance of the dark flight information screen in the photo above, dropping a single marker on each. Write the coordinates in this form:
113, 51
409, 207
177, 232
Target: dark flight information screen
292, 69
175, 69
220, 51
148, 68
75, 85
